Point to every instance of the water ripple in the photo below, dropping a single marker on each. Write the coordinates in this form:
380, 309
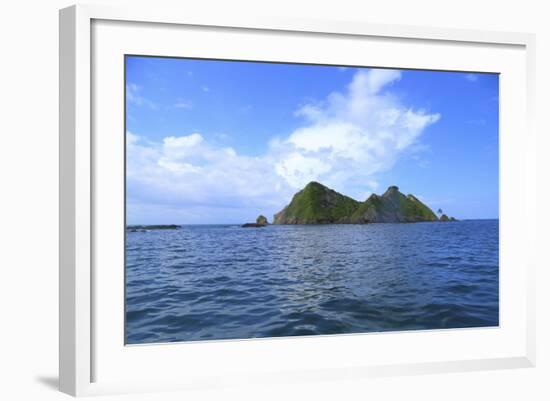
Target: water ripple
220, 282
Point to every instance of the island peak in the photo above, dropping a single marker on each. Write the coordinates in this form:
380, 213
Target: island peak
314, 184
391, 191
318, 204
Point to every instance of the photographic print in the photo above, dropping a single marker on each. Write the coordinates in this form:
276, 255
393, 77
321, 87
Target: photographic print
278, 199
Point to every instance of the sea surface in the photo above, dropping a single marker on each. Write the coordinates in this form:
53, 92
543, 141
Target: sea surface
208, 282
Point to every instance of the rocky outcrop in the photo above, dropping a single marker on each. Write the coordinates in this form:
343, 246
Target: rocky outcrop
261, 221
444, 218
141, 228
317, 204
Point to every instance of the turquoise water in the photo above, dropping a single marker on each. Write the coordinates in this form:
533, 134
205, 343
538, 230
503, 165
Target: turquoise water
226, 282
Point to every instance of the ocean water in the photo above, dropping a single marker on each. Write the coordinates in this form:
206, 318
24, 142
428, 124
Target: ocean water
226, 282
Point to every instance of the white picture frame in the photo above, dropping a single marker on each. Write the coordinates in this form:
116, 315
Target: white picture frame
82, 232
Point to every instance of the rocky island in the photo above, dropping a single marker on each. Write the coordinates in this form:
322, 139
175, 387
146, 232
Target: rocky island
318, 204
144, 228
261, 221
154, 227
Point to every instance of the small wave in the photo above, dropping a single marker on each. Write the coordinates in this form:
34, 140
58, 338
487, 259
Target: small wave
219, 282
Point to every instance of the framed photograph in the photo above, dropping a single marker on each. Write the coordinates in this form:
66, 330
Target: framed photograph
267, 200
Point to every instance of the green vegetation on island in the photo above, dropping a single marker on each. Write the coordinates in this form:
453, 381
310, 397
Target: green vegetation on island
393, 207
317, 204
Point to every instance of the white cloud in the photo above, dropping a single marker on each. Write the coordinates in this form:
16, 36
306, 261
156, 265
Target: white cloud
344, 141
297, 169
370, 83
352, 135
183, 104
205, 88
134, 96
373, 184
200, 178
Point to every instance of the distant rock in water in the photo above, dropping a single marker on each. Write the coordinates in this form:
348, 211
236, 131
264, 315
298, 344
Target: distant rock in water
317, 204
261, 221
444, 218
141, 228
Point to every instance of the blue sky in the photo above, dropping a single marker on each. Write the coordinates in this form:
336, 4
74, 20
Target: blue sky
223, 141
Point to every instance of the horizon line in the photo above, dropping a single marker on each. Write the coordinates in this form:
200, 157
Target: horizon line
320, 224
